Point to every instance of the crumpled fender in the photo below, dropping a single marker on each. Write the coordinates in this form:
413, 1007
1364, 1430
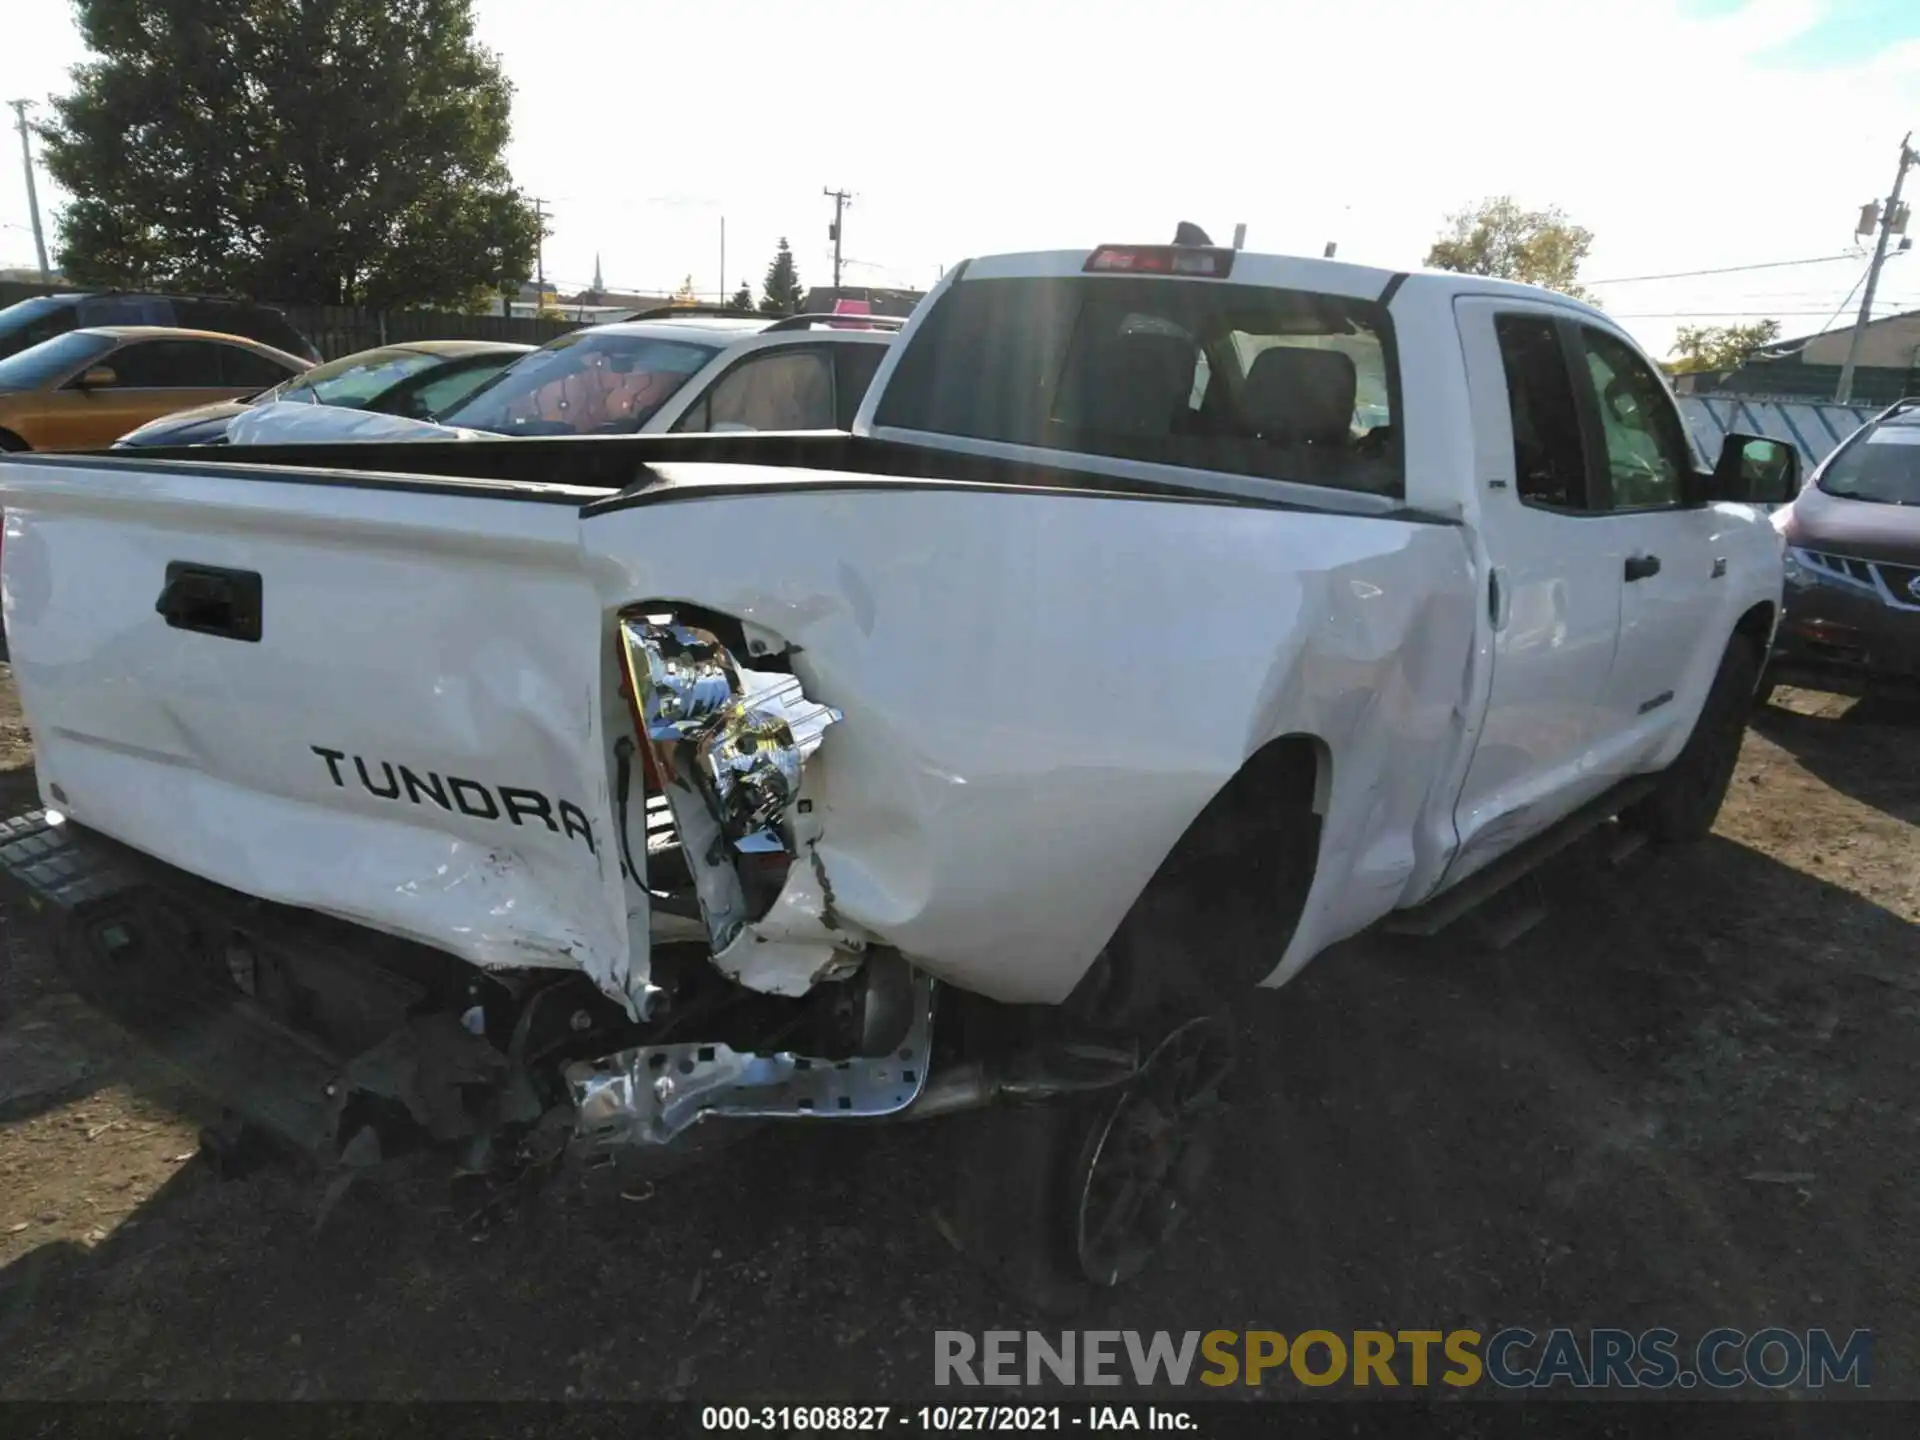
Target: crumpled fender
1043, 689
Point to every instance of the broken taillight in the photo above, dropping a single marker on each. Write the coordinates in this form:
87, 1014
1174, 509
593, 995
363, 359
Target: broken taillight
1205, 262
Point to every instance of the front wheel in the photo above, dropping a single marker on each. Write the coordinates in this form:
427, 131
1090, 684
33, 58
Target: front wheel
1688, 798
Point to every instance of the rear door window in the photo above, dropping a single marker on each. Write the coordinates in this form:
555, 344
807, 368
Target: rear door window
233, 317
167, 365
250, 370
1281, 384
1549, 456
127, 310
786, 389
854, 367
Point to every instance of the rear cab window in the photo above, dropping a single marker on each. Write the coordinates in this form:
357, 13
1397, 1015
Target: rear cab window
1251, 380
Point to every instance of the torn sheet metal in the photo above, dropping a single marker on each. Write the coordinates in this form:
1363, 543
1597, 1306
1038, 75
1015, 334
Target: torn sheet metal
650, 1094
792, 947
729, 744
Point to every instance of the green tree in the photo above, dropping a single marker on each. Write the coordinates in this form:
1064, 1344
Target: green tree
743, 297
1498, 238
782, 294
316, 151
1719, 347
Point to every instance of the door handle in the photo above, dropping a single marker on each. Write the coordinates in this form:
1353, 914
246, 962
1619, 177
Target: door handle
1639, 567
1497, 598
211, 601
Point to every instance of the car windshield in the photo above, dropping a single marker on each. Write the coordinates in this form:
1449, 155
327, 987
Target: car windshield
582, 384
51, 360
31, 321
356, 381
1882, 467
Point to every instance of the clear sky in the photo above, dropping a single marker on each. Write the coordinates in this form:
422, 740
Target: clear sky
1686, 134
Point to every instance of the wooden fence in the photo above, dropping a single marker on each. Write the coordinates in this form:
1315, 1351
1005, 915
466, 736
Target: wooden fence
342, 329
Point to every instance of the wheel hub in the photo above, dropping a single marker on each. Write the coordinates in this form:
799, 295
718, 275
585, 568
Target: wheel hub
1147, 1153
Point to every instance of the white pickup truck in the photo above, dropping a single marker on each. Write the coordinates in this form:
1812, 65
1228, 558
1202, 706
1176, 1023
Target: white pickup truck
1172, 614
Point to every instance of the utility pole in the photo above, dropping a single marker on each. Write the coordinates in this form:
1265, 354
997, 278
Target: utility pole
33, 198
840, 199
1889, 217
723, 260
539, 250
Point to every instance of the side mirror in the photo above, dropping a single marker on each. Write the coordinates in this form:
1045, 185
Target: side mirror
1753, 470
97, 377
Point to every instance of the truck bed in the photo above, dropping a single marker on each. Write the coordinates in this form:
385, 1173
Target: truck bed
1046, 673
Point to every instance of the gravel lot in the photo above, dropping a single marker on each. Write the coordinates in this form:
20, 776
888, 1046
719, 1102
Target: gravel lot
1686, 1099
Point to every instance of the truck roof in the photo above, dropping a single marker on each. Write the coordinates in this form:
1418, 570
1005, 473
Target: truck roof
1292, 272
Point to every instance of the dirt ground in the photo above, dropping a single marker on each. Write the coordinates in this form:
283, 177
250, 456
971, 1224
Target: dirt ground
1685, 1099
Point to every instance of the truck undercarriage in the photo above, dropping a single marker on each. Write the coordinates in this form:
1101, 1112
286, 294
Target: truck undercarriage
344, 1049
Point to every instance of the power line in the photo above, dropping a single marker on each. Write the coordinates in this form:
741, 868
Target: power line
1722, 270
1713, 314
1828, 323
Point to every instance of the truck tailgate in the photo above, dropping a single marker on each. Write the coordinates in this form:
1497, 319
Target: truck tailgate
414, 741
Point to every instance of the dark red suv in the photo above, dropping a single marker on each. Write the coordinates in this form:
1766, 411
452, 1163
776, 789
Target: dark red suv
1852, 620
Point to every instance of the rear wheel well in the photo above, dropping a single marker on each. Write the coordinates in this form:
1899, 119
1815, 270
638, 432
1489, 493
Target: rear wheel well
1218, 913
11, 441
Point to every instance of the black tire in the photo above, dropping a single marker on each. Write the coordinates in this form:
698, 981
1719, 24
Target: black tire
1686, 803
1023, 1181
1024, 1170
12, 442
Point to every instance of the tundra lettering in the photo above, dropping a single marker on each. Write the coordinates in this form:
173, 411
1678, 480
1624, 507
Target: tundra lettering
469, 797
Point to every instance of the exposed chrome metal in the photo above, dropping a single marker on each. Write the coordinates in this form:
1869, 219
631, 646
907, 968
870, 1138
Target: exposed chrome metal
728, 744
652, 1093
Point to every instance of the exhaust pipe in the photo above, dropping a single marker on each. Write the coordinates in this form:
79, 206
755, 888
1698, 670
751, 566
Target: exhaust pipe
1047, 1072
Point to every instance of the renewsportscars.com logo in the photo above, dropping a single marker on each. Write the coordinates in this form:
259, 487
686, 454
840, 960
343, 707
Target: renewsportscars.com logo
1513, 1358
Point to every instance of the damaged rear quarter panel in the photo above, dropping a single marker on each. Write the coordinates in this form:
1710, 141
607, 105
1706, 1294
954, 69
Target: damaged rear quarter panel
1043, 690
